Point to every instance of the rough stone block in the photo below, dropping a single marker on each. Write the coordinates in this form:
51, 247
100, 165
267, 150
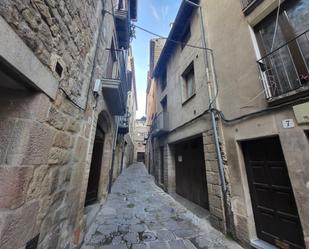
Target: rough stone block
212, 166
81, 150
74, 126
14, 182
36, 187
212, 178
62, 140
57, 119
18, 143
210, 148
217, 190
215, 201
6, 130
58, 156
30, 143
24, 104
217, 212
39, 145
19, 226
211, 156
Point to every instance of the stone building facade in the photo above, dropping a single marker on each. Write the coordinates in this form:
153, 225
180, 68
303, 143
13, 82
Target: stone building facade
140, 132
57, 60
260, 111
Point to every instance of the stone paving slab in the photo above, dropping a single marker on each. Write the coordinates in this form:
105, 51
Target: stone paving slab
139, 215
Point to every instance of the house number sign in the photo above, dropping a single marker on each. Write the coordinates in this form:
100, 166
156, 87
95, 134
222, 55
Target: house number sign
288, 123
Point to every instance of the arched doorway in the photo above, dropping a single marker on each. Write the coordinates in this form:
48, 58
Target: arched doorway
96, 160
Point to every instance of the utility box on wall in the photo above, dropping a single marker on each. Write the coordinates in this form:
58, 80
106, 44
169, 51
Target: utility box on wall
301, 113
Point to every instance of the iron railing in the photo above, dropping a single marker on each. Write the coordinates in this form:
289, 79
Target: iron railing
123, 76
285, 69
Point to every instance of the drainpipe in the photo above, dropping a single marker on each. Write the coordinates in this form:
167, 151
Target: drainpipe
213, 117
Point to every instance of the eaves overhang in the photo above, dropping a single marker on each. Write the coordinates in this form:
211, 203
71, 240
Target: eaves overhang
183, 17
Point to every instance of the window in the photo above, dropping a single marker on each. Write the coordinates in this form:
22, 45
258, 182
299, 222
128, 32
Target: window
186, 37
307, 134
284, 59
189, 82
111, 70
163, 103
163, 82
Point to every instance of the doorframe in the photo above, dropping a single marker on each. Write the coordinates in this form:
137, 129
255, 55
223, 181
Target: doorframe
252, 231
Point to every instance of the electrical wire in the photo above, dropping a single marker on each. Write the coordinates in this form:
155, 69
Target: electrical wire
71, 100
162, 37
171, 40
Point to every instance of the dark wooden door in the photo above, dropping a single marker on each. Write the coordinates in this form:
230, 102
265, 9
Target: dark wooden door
141, 157
274, 207
162, 165
95, 169
191, 172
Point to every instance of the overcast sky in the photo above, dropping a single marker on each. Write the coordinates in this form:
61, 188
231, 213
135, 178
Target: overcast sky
154, 15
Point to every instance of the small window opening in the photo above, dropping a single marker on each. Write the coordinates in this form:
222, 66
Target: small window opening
189, 81
163, 81
59, 69
33, 243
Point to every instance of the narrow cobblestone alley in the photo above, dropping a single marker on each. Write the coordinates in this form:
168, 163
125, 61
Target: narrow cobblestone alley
138, 215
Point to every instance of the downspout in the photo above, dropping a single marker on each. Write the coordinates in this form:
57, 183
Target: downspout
213, 117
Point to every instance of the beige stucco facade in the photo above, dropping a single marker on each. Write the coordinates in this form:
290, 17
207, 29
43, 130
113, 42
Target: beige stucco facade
239, 82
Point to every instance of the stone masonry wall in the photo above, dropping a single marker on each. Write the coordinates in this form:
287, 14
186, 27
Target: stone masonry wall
62, 31
44, 155
216, 207
46, 145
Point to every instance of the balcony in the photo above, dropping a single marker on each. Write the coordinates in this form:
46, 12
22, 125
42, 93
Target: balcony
284, 71
249, 5
160, 124
114, 91
123, 125
122, 22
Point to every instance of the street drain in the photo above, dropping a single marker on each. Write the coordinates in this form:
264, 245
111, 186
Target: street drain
147, 236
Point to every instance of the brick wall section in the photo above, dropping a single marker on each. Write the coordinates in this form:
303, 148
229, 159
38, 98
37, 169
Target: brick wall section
216, 207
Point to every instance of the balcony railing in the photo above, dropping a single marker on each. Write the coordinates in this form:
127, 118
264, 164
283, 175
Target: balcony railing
284, 71
116, 90
160, 124
123, 124
122, 21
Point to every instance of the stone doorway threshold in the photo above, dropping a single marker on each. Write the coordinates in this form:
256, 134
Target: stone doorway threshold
260, 244
194, 208
91, 212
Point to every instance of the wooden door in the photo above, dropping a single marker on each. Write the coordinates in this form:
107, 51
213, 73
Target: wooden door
95, 169
191, 172
162, 164
274, 207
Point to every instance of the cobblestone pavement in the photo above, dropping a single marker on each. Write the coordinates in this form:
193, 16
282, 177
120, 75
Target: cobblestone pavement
139, 215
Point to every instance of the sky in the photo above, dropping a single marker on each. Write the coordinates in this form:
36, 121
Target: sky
156, 16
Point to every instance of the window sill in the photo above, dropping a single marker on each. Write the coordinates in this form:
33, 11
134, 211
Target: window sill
251, 6
188, 99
